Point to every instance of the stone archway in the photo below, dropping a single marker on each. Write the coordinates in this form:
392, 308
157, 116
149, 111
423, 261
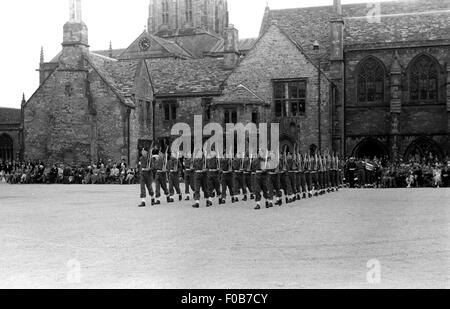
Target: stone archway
6, 147
370, 148
287, 143
423, 147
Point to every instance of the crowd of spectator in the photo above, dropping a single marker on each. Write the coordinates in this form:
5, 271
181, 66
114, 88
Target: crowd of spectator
412, 173
32, 172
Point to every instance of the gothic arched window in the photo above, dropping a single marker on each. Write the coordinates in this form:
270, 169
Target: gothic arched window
371, 82
423, 79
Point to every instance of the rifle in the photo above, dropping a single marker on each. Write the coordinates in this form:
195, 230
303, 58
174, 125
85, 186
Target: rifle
165, 160
267, 158
149, 155
242, 163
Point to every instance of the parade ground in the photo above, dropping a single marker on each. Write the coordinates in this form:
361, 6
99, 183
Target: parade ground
92, 236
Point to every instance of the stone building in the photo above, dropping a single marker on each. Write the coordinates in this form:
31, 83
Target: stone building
390, 64
378, 72
11, 137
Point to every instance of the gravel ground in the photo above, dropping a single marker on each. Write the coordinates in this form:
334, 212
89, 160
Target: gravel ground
46, 232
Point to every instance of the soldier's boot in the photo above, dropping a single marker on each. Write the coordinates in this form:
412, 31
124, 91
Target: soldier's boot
187, 198
209, 203
245, 199
142, 204
157, 202
299, 197
269, 204
170, 200
180, 197
258, 206
221, 201
279, 202
304, 195
252, 196
196, 205
153, 202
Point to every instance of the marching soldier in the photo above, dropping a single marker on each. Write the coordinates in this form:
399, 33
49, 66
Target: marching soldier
159, 162
285, 179
292, 172
308, 174
261, 184
146, 179
248, 176
212, 166
173, 167
315, 175
226, 165
303, 186
200, 181
238, 178
275, 180
188, 175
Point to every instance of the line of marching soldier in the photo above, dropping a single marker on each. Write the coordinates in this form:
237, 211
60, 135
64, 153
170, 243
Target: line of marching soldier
255, 177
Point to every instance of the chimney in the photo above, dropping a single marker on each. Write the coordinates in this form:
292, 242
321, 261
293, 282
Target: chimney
231, 51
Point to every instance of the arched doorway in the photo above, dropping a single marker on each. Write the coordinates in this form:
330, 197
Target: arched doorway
370, 148
422, 148
6, 148
287, 144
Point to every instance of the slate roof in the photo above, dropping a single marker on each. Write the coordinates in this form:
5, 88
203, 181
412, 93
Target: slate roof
238, 95
191, 76
120, 75
244, 45
305, 25
9, 115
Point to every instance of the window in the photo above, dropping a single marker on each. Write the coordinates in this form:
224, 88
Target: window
255, 117
423, 79
188, 4
170, 110
371, 82
206, 104
290, 98
230, 116
165, 11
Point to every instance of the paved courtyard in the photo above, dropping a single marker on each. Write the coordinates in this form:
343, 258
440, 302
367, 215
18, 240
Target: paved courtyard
96, 237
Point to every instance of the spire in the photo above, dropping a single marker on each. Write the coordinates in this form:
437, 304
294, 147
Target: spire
42, 55
75, 11
23, 99
110, 49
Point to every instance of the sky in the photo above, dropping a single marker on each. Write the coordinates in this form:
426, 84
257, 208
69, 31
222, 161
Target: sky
26, 25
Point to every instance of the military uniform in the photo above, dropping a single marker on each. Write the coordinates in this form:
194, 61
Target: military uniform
188, 176
238, 178
275, 181
200, 181
213, 174
173, 166
227, 179
248, 177
146, 178
302, 175
261, 183
158, 166
285, 179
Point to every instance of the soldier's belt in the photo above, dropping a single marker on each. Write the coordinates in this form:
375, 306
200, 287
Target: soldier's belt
227, 172
146, 170
173, 171
199, 172
212, 171
160, 171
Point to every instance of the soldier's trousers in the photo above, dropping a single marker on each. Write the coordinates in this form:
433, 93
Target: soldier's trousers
174, 183
227, 184
327, 179
189, 182
286, 183
161, 183
334, 178
302, 177
213, 183
293, 180
308, 180
262, 185
248, 182
314, 181
275, 183
239, 183
200, 183
320, 176
146, 182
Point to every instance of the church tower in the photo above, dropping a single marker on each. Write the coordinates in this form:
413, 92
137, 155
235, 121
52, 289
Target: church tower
172, 17
75, 41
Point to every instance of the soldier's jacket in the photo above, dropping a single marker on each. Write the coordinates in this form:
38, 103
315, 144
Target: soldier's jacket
145, 163
225, 165
247, 164
212, 164
188, 164
237, 164
158, 162
272, 166
198, 164
301, 164
289, 163
294, 164
173, 165
257, 164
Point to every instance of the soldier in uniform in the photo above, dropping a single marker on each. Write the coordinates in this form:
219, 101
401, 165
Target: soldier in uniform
293, 168
302, 176
188, 175
261, 185
146, 179
212, 174
321, 174
200, 181
238, 178
248, 176
351, 172
275, 179
226, 165
285, 179
315, 175
308, 175
160, 170
173, 166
